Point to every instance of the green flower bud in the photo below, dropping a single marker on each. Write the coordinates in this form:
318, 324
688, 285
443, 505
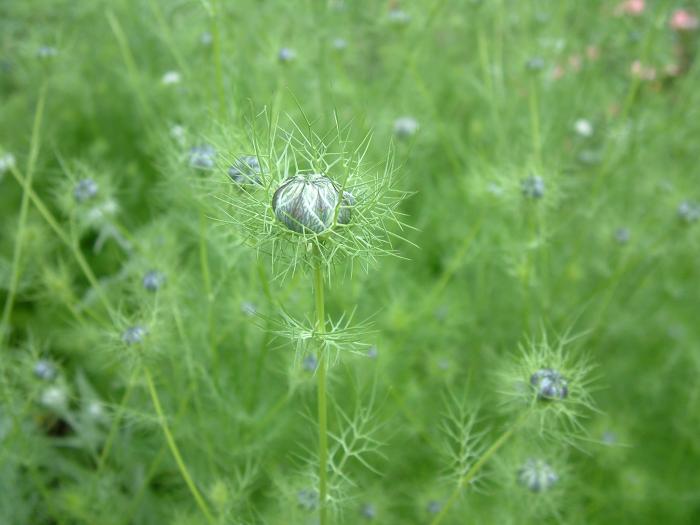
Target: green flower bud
308, 202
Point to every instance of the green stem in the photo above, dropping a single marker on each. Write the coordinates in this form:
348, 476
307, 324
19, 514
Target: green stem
175, 450
23, 212
474, 470
322, 403
63, 236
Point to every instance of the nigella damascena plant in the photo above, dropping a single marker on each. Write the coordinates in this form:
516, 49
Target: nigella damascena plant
311, 203
537, 475
309, 196
549, 384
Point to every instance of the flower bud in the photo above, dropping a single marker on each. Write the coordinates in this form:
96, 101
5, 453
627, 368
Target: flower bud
308, 202
7, 162
689, 211
404, 127
307, 499
45, 370
533, 187
246, 170
153, 280
537, 475
286, 54
549, 384
134, 335
85, 189
202, 157
54, 397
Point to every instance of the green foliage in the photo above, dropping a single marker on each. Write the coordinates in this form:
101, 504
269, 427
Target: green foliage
529, 165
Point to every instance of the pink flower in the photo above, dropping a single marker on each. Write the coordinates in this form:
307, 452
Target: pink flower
641, 71
682, 20
630, 7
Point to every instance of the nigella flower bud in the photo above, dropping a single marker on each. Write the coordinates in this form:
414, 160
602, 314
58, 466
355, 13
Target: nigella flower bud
533, 187
434, 507
7, 162
45, 370
689, 211
309, 363
583, 127
134, 335
153, 280
246, 170
202, 157
622, 235
286, 54
404, 127
549, 384
535, 64
54, 397
368, 511
307, 499
339, 44
85, 189
46, 52
308, 202
537, 475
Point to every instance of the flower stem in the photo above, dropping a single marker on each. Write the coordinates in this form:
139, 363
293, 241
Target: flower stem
175, 450
322, 406
474, 470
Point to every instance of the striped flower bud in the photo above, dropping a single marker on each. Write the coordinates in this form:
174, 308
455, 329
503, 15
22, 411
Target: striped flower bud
246, 170
308, 202
537, 475
549, 384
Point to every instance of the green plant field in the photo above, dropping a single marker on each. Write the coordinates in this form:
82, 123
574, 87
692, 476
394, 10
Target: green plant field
345, 262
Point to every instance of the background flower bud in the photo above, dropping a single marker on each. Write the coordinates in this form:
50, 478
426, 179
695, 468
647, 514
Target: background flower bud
549, 384
246, 170
537, 475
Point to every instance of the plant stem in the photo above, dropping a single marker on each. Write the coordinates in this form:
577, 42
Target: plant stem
474, 470
24, 209
175, 450
322, 406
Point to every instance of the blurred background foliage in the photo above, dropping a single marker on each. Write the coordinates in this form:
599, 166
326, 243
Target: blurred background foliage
596, 100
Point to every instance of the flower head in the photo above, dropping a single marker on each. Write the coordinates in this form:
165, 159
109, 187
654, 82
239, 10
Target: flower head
549, 384
286, 54
405, 127
630, 7
537, 475
533, 187
246, 170
153, 280
45, 370
202, 157
85, 189
683, 20
308, 203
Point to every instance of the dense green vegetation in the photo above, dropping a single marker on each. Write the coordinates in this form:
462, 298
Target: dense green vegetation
500, 303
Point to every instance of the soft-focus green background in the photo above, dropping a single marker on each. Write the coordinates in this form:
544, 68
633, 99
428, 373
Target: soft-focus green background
491, 268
